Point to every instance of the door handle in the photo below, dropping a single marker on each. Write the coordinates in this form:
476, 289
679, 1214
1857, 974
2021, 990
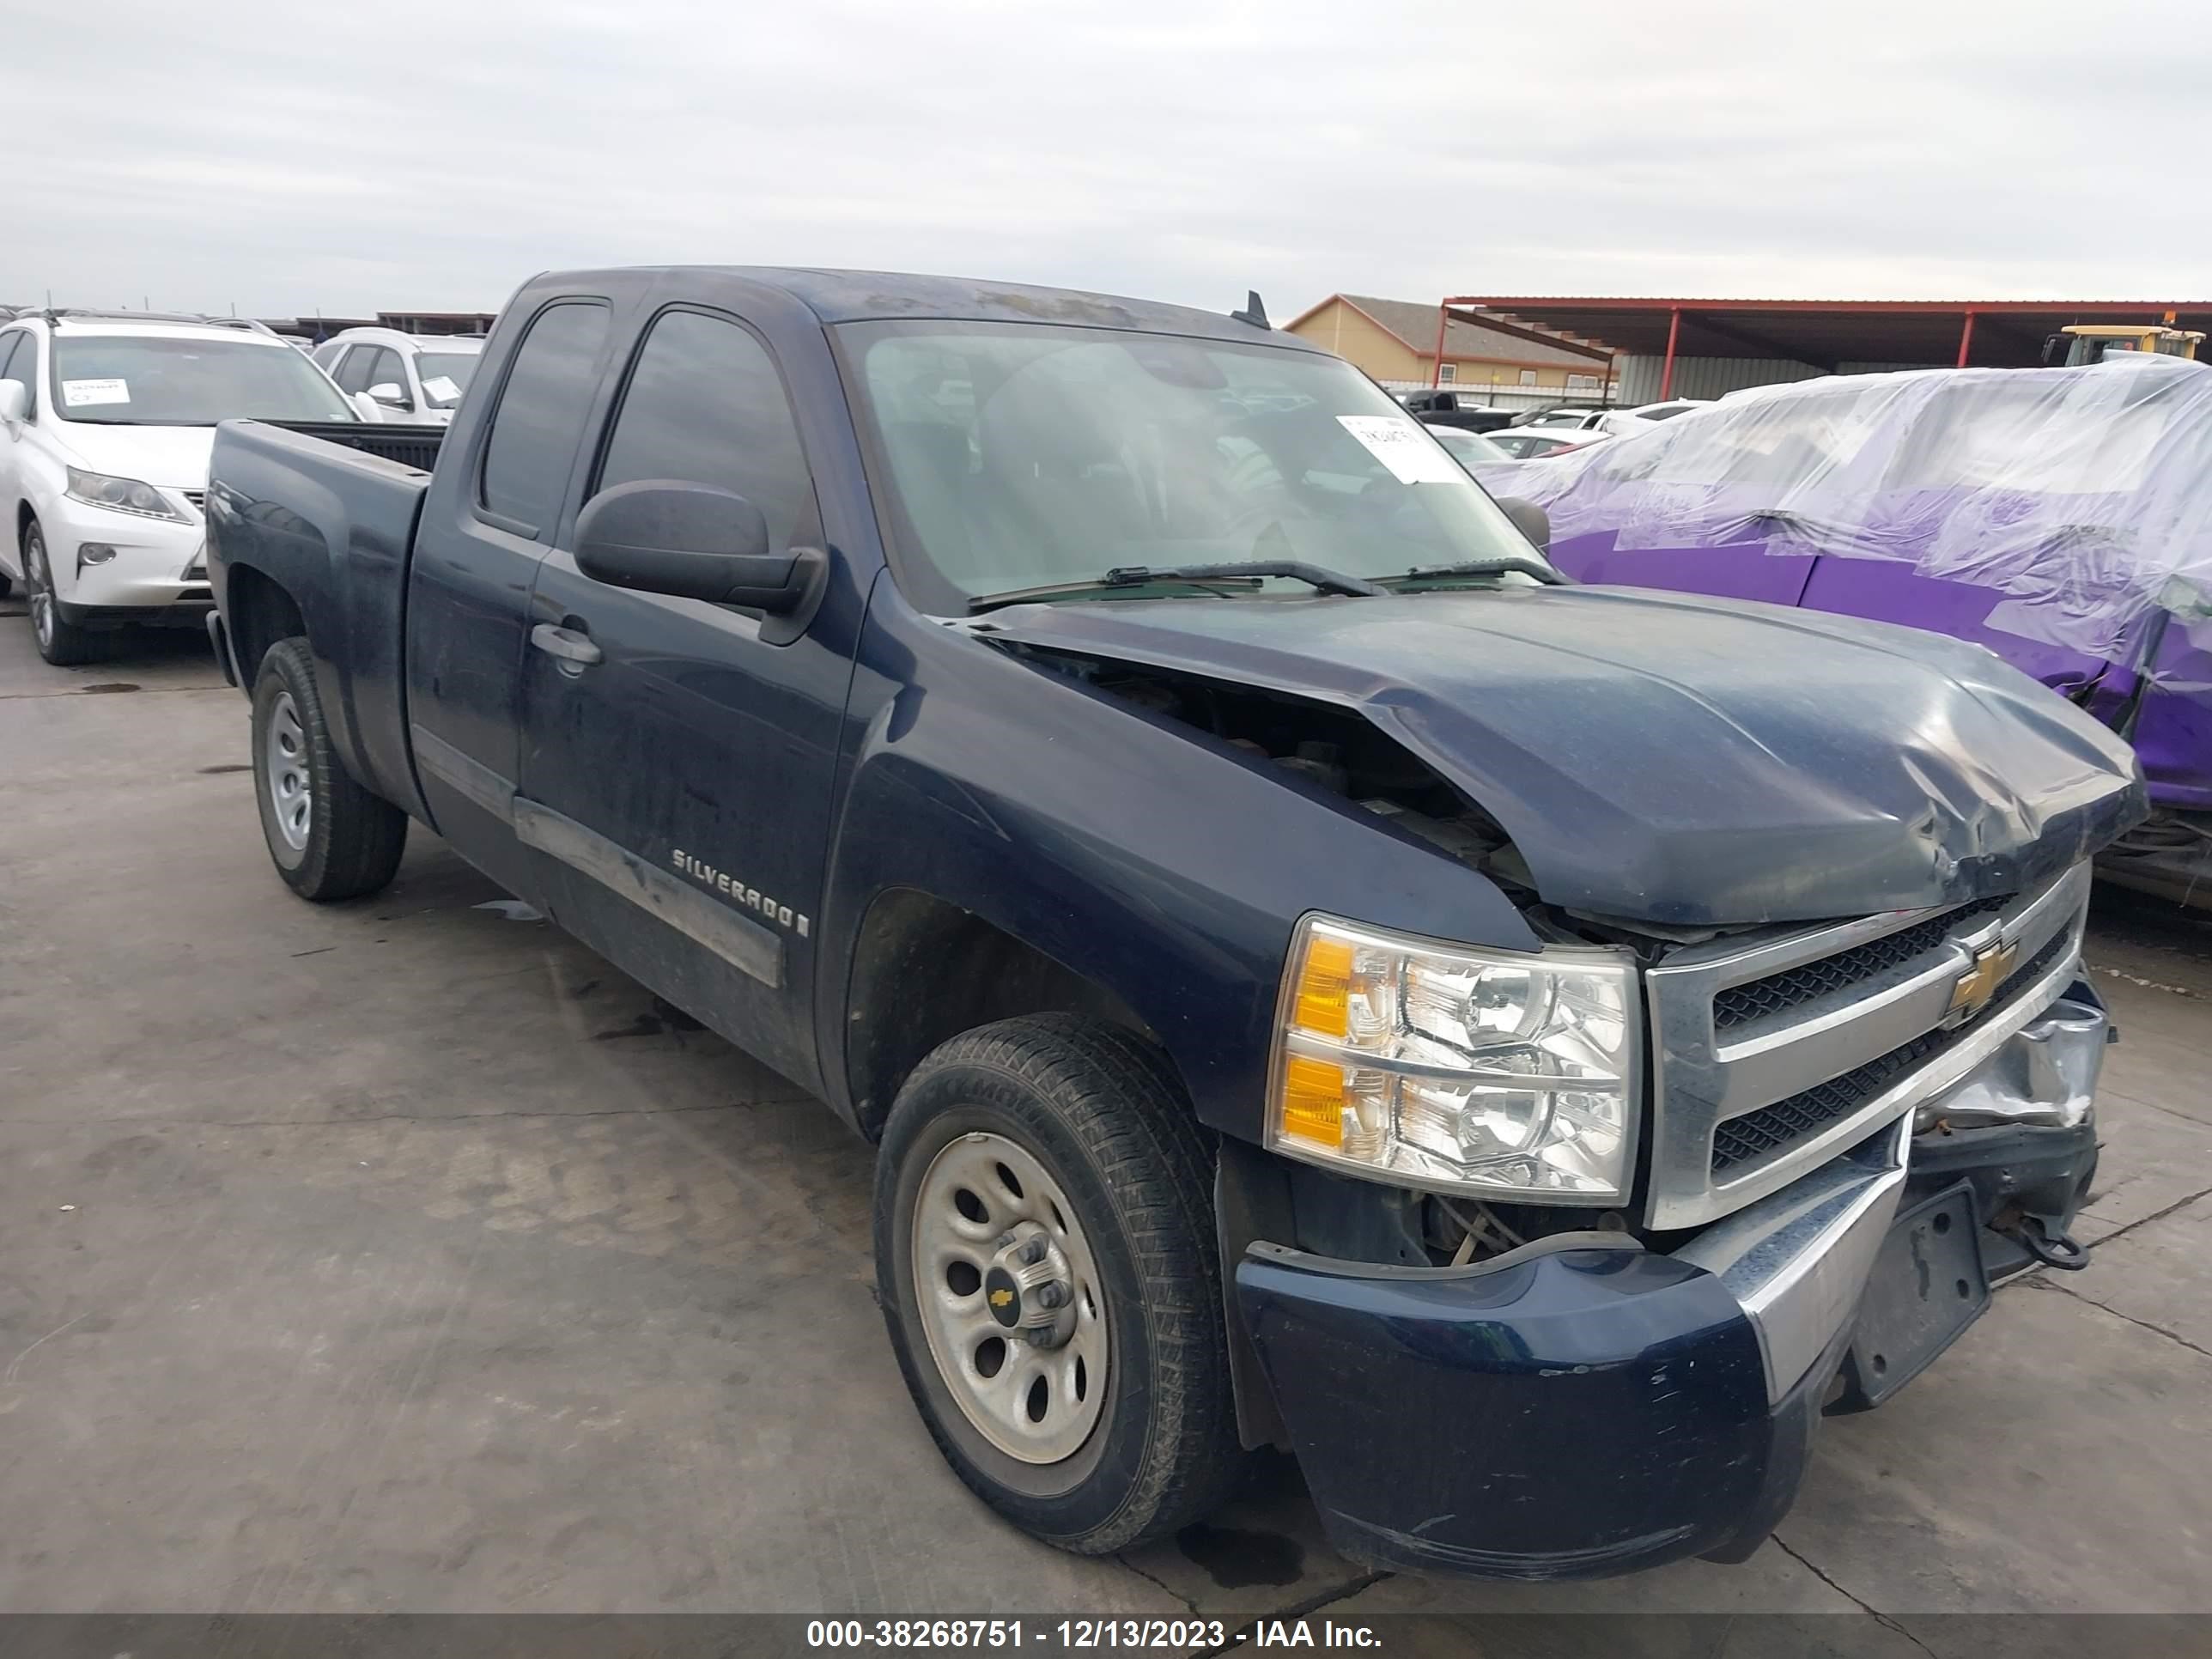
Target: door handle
571, 647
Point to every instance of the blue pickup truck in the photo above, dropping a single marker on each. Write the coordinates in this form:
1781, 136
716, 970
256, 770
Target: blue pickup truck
1314, 976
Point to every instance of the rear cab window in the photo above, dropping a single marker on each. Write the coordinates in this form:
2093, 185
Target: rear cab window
539, 424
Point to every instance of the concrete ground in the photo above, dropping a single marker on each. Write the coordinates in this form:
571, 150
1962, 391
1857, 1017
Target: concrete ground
402, 1256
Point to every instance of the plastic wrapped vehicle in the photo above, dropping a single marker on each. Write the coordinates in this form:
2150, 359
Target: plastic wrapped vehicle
2056, 517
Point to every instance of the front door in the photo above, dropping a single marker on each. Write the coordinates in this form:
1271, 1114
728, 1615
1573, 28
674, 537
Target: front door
677, 759
19, 361
475, 556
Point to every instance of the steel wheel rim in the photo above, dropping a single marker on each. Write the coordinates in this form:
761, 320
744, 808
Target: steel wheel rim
290, 786
42, 589
952, 1253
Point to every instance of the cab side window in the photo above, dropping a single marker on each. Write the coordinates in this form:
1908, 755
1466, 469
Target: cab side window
539, 421
705, 405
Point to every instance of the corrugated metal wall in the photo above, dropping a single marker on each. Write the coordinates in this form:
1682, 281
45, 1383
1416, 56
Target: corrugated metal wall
1708, 377
1704, 377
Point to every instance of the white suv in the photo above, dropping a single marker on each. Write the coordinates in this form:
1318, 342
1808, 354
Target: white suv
105, 423
408, 377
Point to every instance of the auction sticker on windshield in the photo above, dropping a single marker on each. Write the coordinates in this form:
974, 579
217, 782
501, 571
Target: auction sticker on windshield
442, 387
79, 394
1411, 454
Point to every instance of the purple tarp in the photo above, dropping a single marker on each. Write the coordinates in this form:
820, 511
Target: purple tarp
2052, 515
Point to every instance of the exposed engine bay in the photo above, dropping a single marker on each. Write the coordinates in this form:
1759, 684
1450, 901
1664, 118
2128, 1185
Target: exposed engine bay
1342, 754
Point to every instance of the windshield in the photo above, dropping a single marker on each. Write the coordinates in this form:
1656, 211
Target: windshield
1025, 455
445, 375
112, 380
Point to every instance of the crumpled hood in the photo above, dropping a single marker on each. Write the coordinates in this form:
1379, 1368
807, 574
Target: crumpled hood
1667, 757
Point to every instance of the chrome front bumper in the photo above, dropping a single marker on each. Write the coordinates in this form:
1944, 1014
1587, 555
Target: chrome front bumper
1796, 1262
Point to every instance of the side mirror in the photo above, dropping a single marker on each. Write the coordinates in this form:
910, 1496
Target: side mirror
694, 542
14, 401
1530, 519
391, 394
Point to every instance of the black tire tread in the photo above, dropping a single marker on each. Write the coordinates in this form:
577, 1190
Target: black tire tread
362, 835
1127, 1107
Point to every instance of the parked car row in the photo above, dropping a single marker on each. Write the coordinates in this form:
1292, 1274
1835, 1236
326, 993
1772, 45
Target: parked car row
1314, 976
107, 419
1524, 435
105, 424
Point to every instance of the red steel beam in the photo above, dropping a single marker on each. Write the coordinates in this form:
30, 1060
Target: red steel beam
1966, 337
1902, 308
1674, 333
1436, 362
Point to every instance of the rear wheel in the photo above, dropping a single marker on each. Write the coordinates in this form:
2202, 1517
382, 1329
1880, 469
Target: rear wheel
61, 642
1044, 1243
330, 838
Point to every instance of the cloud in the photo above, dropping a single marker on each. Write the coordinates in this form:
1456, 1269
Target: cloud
238, 152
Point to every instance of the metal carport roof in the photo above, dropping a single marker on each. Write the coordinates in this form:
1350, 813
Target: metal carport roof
1827, 333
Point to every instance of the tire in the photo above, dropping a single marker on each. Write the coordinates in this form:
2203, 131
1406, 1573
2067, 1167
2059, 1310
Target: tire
6, 586
1099, 1113
329, 837
65, 644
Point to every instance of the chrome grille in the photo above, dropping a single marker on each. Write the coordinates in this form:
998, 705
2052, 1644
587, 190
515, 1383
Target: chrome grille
1746, 1138
1774, 1051
1747, 1005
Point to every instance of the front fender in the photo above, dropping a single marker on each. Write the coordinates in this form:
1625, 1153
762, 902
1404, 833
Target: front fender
1155, 861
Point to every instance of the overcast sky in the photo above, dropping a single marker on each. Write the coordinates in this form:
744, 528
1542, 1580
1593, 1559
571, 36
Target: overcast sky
287, 158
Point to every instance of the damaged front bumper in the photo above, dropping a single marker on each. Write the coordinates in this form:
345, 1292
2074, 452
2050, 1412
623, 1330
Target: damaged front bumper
1586, 1405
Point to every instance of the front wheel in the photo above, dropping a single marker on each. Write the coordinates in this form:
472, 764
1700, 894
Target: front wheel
61, 642
330, 838
1044, 1243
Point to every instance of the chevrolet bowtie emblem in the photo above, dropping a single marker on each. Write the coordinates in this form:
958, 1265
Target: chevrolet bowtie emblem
1979, 983
999, 1298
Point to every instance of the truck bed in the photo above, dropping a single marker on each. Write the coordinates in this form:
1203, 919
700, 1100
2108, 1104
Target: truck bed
327, 513
415, 446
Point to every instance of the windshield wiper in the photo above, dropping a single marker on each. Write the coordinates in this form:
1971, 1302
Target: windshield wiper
1318, 576
1093, 585
1498, 567
1237, 573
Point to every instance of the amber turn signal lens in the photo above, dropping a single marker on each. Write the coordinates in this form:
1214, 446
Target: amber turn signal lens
1325, 986
1313, 1100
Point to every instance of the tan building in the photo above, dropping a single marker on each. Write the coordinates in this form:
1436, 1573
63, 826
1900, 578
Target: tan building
1395, 341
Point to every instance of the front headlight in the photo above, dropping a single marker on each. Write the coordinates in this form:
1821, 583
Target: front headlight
1498, 1074
120, 495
